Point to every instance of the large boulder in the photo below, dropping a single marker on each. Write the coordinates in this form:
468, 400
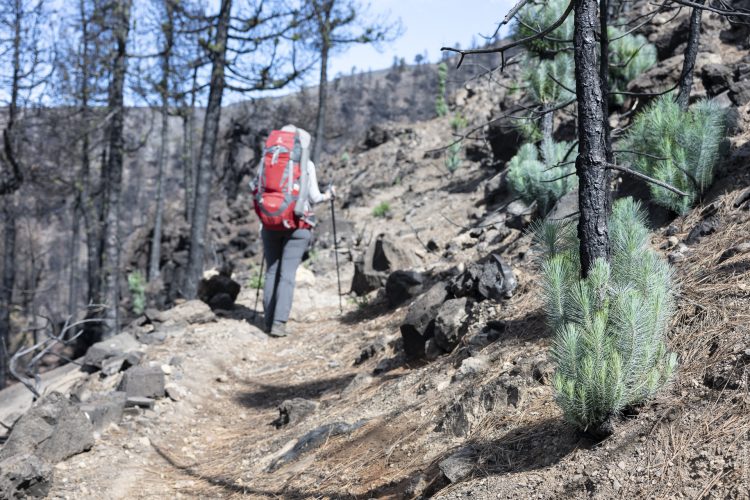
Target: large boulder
451, 323
419, 324
143, 382
739, 88
716, 78
667, 41
566, 207
53, 430
376, 136
112, 348
505, 139
219, 291
192, 312
381, 258
496, 188
491, 279
106, 410
518, 215
24, 476
402, 286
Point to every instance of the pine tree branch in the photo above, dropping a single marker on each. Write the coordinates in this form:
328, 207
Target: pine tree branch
502, 49
646, 178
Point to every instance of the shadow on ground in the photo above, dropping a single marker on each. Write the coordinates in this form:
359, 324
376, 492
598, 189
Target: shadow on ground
243, 313
365, 312
528, 448
271, 395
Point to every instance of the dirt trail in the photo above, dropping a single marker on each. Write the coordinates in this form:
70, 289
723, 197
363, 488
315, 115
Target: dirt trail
224, 366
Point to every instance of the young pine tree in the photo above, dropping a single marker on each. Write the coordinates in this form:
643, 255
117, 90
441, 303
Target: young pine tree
681, 148
543, 174
610, 327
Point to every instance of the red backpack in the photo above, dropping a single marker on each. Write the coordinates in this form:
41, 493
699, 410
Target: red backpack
281, 186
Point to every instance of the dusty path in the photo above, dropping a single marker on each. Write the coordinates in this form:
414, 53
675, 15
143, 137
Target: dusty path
223, 365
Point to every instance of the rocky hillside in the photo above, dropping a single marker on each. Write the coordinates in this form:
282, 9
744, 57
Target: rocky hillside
435, 380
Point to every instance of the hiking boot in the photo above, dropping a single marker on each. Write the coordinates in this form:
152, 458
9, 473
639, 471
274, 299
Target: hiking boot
278, 329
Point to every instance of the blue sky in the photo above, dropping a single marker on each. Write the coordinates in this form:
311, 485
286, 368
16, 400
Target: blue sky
428, 25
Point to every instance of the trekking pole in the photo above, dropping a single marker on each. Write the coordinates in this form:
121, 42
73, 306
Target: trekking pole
336, 253
257, 290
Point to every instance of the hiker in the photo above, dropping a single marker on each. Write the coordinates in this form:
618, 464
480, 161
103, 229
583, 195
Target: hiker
284, 194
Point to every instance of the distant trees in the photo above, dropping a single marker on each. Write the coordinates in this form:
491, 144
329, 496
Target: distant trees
22, 53
335, 25
245, 51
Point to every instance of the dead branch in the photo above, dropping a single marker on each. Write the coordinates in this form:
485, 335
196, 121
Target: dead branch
43, 347
646, 178
522, 41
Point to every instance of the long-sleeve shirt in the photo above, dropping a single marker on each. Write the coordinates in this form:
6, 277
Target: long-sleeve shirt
314, 196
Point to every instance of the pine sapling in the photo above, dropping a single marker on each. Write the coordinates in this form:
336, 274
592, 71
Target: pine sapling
609, 328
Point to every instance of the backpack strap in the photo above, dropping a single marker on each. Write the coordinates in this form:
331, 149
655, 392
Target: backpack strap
304, 139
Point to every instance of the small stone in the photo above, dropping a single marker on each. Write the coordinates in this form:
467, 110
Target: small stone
139, 402
144, 382
166, 369
470, 367
175, 392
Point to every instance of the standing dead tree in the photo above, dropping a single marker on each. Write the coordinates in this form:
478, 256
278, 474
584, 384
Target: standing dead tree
116, 105
163, 88
245, 55
21, 51
335, 25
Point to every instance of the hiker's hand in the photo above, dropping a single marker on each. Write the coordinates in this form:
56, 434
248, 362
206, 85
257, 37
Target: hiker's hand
330, 193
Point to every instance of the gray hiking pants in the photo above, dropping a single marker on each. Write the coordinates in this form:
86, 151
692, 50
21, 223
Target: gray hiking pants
283, 254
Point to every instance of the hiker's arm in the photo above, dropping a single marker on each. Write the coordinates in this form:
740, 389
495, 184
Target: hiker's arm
314, 194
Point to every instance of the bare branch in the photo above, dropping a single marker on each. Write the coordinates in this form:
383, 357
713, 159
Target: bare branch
723, 12
646, 178
502, 49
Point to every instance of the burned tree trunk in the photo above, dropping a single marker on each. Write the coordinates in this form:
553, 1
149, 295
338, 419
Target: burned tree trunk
8, 282
604, 77
199, 226
691, 54
591, 164
111, 269
168, 31
320, 125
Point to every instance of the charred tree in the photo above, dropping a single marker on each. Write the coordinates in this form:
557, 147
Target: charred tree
207, 153
113, 185
22, 20
167, 27
337, 24
232, 39
604, 9
691, 54
591, 163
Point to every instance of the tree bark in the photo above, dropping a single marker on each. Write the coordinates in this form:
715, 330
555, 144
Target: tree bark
167, 28
604, 77
591, 163
111, 268
547, 124
199, 226
8, 282
7, 285
691, 54
73, 258
320, 124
